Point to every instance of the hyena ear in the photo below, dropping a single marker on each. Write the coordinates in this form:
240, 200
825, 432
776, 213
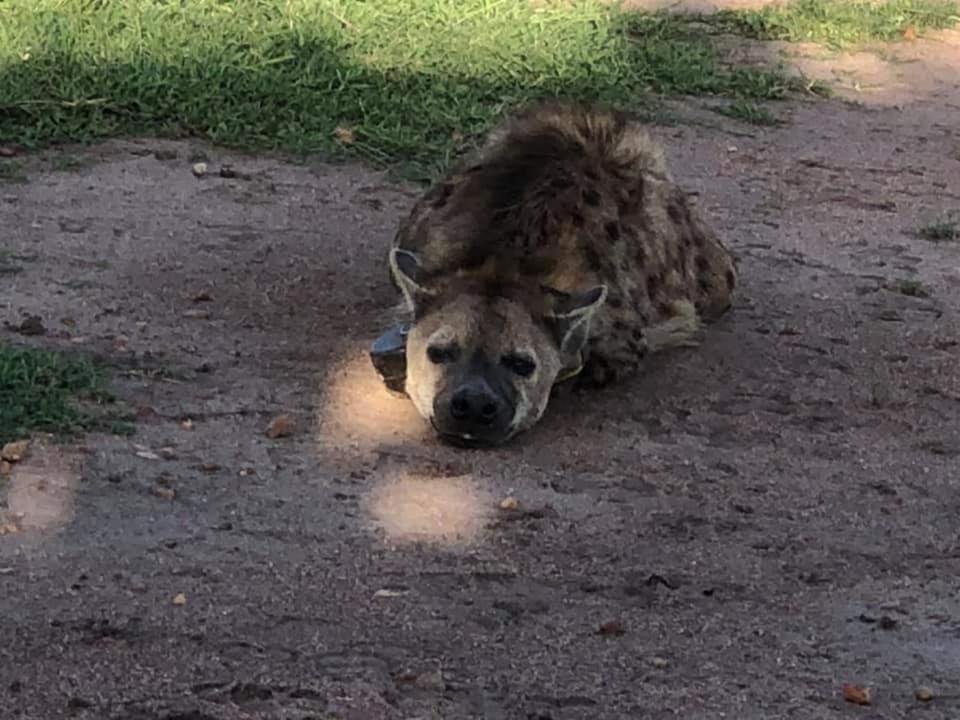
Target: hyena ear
570, 314
408, 274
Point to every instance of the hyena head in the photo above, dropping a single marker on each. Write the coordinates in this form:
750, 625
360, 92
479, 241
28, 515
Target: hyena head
481, 363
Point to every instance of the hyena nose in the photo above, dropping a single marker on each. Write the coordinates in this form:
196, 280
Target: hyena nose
474, 403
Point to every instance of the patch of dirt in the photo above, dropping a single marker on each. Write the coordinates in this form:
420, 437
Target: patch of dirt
761, 520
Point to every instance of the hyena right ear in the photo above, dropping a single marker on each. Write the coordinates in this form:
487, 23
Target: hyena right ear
570, 315
408, 274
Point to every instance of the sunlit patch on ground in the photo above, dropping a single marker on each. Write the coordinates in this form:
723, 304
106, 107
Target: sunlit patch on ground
38, 492
356, 412
413, 507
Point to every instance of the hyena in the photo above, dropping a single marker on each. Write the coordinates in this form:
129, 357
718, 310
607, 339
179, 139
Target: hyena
562, 248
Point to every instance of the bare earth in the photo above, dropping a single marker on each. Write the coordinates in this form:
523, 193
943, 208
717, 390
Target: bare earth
734, 535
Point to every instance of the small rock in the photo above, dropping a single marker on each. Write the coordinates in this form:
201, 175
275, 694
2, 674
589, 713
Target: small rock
202, 297
164, 493
923, 694
280, 426
856, 694
388, 593
209, 467
187, 424
659, 662
197, 314
14, 451
147, 455
430, 681
509, 503
200, 169
7, 151
179, 599
164, 154
611, 628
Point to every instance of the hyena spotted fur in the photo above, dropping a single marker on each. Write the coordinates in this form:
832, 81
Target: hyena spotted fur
562, 247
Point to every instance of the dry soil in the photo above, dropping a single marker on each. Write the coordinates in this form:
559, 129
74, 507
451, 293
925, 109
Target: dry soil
735, 534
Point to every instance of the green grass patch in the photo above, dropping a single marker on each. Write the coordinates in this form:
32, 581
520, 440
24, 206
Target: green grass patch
839, 23
749, 112
393, 80
943, 230
910, 288
52, 392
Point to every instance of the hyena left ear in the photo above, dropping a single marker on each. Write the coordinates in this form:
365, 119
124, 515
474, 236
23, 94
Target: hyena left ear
409, 276
570, 315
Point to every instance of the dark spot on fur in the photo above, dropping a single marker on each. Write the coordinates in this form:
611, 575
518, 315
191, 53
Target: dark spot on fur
641, 255
731, 280
591, 197
703, 265
620, 326
612, 229
561, 183
615, 302
591, 174
653, 284
593, 259
682, 263
578, 220
663, 308
705, 285
676, 213
637, 335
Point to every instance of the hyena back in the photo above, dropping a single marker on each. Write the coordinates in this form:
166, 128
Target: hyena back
562, 246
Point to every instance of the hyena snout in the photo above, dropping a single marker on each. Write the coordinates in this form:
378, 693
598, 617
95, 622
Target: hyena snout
473, 413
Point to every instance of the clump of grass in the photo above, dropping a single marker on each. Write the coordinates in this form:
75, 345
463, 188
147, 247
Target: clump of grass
943, 230
51, 392
840, 23
910, 288
394, 80
748, 111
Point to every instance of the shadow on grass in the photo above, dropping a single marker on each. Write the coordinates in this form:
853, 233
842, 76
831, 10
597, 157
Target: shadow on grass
338, 85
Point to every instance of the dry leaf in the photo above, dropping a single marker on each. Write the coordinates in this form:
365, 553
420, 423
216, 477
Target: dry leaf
8, 528
856, 694
909, 33
923, 694
199, 314
14, 451
147, 455
209, 467
613, 627
187, 424
179, 599
344, 135
280, 426
509, 503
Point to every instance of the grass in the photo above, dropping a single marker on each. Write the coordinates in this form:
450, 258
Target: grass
51, 392
943, 230
911, 288
749, 112
840, 23
412, 81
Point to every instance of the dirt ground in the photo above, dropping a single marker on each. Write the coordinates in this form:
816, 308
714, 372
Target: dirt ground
733, 535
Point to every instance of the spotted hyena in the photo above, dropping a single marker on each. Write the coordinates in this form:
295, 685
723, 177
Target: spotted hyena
562, 248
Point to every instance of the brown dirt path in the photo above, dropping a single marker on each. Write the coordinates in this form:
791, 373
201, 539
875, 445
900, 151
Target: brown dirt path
763, 519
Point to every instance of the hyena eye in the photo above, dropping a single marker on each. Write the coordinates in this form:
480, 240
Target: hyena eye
522, 365
440, 354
